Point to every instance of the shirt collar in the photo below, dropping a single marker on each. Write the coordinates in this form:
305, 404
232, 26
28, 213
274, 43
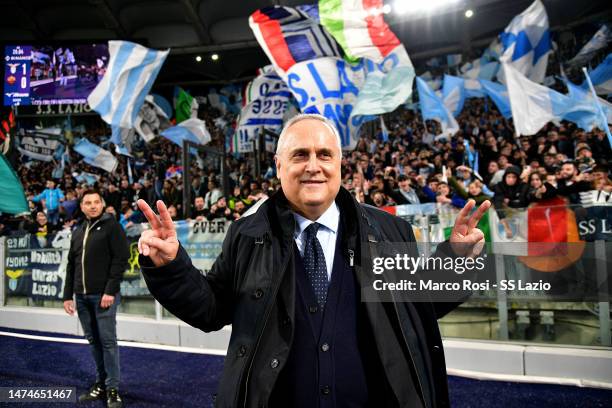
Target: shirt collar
329, 219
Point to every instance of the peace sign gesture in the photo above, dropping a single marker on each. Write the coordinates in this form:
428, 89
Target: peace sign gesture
466, 239
158, 243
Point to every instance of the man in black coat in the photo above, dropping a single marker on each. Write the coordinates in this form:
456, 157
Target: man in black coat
97, 258
288, 280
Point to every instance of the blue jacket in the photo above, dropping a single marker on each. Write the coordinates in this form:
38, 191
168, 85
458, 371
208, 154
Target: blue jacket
52, 198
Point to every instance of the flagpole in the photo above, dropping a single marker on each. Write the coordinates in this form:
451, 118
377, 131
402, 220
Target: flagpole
601, 112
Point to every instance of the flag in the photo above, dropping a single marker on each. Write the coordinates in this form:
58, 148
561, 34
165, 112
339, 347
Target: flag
473, 88
499, 95
268, 98
532, 105
601, 77
486, 71
583, 110
601, 38
526, 42
185, 105
122, 137
163, 104
151, 120
321, 80
493, 51
358, 26
289, 36
452, 60
432, 107
130, 74
38, 146
453, 93
193, 130
96, 156
12, 197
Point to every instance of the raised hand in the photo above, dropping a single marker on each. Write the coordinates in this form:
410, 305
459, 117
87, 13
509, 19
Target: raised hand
158, 243
466, 239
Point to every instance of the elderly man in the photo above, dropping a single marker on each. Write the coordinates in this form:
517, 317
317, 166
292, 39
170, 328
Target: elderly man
288, 280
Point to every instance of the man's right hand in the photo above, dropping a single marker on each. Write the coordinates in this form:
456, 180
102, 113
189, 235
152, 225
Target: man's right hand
158, 243
69, 307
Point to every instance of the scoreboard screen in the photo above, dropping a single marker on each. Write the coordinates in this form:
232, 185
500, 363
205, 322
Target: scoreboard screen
52, 74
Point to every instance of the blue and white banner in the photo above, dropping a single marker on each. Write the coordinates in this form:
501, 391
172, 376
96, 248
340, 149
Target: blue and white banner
131, 71
96, 156
583, 109
351, 94
526, 43
267, 98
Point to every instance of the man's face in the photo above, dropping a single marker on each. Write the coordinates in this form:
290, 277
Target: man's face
91, 205
199, 203
404, 185
124, 184
50, 184
443, 189
493, 167
567, 171
309, 166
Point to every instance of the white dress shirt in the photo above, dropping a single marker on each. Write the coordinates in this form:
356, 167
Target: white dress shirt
327, 234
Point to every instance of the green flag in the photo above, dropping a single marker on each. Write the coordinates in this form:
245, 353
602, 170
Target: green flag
184, 105
12, 197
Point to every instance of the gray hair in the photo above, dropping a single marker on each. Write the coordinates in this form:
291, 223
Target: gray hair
303, 116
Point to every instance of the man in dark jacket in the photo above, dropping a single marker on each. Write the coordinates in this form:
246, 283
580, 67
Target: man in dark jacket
289, 280
97, 258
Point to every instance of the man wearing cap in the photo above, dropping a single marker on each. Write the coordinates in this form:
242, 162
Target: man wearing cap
289, 281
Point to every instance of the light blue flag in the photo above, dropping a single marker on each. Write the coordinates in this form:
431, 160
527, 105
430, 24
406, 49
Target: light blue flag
192, 130
96, 156
601, 77
601, 38
526, 42
499, 94
583, 111
384, 133
433, 108
453, 93
129, 76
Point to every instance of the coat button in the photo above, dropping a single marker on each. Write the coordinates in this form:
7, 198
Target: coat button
258, 294
286, 321
436, 348
274, 363
325, 390
242, 351
324, 347
313, 309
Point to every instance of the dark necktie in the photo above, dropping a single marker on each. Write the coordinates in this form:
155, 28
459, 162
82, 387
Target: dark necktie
314, 263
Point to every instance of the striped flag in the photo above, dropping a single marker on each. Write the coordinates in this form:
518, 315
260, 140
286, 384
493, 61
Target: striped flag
131, 71
193, 130
95, 156
359, 27
289, 36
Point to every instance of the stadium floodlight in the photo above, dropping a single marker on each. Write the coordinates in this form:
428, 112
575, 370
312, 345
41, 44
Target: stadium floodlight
214, 57
469, 13
420, 6
198, 58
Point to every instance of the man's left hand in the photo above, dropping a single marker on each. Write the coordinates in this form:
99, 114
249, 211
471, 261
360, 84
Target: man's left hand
107, 301
466, 239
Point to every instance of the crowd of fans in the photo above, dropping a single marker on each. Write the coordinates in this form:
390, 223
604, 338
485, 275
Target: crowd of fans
413, 164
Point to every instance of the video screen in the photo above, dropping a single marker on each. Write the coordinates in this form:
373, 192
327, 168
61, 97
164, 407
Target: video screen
45, 74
